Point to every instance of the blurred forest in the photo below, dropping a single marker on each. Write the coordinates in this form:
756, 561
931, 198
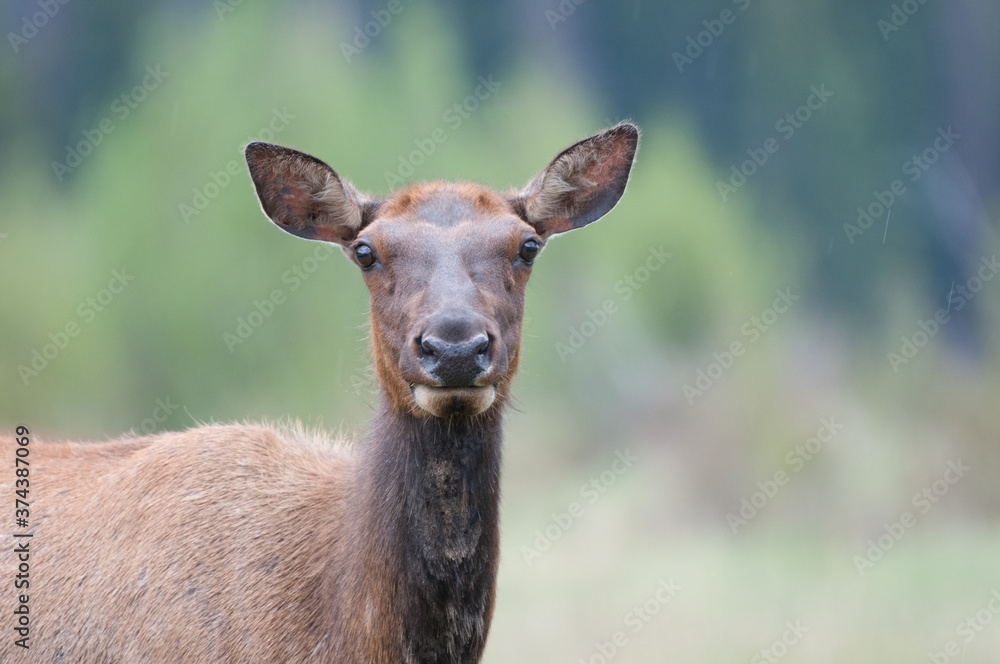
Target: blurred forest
812, 358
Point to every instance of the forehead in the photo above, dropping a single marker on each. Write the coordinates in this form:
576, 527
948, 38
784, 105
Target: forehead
445, 203
457, 211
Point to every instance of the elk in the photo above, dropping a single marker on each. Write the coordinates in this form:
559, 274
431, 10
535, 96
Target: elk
270, 543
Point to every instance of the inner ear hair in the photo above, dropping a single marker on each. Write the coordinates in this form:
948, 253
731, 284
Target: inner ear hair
304, 196
339, 202
583, 182
557, 184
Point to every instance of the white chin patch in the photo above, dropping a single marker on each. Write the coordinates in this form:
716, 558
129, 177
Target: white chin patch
445, 401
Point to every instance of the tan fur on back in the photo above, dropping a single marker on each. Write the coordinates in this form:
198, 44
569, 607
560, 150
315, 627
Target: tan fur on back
237, 516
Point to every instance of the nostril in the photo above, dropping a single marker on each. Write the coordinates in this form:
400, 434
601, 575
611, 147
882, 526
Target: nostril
482, 344
428, 347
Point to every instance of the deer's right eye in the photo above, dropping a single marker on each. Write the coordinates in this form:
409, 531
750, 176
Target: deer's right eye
364, 255
529, 250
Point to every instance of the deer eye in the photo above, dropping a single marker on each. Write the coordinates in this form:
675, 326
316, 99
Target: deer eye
364, 255
528, 251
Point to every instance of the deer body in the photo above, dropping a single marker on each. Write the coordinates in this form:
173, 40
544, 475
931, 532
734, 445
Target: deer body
245, 543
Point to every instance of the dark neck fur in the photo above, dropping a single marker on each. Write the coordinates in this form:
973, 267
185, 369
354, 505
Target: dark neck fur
431, 489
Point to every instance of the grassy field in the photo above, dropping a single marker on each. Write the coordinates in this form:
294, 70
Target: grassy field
735, 595
792, 574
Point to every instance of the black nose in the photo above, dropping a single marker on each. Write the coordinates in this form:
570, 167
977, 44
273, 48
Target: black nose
455, 364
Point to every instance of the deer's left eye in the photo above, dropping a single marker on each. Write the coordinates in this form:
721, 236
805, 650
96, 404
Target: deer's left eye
364, 255
528, 251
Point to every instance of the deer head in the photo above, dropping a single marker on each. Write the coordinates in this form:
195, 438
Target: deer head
446, 264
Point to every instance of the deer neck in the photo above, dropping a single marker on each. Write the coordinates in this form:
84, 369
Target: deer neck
430, 489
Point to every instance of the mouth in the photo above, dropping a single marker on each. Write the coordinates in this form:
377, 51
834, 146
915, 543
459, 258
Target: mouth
446, 401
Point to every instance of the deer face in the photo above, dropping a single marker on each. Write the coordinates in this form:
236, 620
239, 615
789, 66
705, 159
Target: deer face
446, 264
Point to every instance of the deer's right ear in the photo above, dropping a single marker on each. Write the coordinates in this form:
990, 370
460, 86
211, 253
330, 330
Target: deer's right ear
304, 196
582, 183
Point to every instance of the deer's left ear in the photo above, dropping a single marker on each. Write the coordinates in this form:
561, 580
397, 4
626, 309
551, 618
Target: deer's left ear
305, 197
582, 184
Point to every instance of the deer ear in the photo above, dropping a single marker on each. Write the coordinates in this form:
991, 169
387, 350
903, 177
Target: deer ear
304, 196
582, 184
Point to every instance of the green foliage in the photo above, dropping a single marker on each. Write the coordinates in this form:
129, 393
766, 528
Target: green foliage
135, 203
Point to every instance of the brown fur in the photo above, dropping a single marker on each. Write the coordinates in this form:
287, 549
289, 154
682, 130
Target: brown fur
147, 549
247, 543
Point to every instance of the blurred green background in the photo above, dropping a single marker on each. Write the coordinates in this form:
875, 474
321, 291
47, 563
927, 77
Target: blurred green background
121, 128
